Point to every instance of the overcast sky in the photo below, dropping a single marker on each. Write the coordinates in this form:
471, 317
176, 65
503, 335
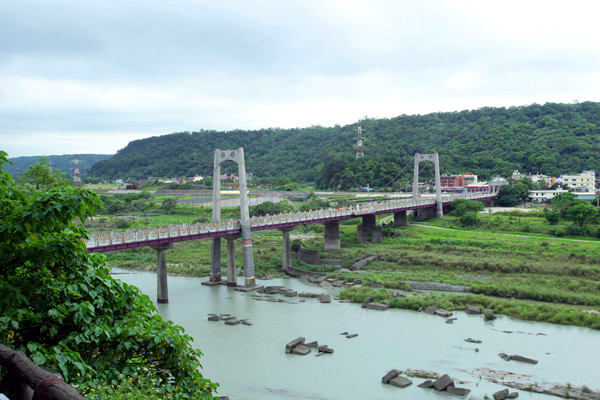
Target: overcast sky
81, 76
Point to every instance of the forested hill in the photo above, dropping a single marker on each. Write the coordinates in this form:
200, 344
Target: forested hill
549, 139
62, 163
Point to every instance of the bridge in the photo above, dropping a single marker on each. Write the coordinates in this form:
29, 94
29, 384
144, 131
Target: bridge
162, 238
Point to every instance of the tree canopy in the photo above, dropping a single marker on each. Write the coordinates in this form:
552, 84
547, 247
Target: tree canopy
60, 306
551, 139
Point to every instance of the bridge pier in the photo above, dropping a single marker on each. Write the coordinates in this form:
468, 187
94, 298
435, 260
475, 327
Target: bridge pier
215, 260
369, 226
400, 218
162, 287
425, 213
231, 267
332, 236
286, 251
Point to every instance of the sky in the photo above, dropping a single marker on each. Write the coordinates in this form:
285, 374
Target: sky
89, 76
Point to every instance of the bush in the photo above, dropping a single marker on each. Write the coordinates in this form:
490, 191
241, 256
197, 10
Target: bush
468, 219
489, 316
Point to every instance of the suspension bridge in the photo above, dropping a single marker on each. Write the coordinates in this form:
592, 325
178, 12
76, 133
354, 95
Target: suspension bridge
162, 238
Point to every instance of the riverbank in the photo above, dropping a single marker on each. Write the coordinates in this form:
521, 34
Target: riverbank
538, 278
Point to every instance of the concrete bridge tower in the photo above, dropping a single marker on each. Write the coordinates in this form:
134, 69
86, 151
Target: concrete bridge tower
438, 186
236, 156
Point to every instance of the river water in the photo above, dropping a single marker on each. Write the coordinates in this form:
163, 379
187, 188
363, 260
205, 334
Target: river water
249, 362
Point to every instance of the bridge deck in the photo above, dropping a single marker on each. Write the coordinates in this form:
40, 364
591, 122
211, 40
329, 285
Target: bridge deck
177, 233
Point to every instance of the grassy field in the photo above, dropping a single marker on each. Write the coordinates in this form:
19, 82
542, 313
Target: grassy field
522, 273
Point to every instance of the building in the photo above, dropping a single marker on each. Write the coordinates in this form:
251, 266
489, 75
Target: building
470, 179
544, 196
516, 175
452, 181
497, 182
585, 179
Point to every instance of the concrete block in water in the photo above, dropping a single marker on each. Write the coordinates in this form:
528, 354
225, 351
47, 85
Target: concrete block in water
443, 382
400, 381
290, 346
313, 345
430, 310
232, 322
352, 335
213, 318
325, 298
301, 350
473, 309
390, 375
427, 384
523, 359
326, 285
458, 391
325, 349
377, 306
501, 394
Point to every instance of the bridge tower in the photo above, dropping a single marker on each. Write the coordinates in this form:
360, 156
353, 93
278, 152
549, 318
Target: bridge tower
438, 186
236, 156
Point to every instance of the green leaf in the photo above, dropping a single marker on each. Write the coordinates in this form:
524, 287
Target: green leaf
39, 359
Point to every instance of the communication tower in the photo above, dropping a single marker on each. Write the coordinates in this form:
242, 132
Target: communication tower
76, 174
359, 144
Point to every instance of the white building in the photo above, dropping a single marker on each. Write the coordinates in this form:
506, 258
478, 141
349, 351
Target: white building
585, 179
545, 195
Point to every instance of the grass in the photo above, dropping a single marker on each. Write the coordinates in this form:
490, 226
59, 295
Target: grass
530, 275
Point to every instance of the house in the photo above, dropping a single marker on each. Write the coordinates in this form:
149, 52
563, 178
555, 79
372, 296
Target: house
585, 179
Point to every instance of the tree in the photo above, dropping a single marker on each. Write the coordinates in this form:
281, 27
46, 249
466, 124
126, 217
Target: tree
552, 216
581, 213
463, 206
508, 196
560, 203
60, 306
39, 176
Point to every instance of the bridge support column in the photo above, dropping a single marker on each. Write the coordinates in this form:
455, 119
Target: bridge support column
162, 287
231, 267
286, 251
400, 218
369, 226
215, 260
332, 236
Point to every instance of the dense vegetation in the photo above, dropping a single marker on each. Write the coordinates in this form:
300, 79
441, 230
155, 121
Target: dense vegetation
60, 305
61, 163
550, 139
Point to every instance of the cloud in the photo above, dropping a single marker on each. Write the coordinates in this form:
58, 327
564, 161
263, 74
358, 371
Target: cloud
129, 69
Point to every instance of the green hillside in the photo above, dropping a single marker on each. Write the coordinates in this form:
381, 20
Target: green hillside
62, 163
551, 139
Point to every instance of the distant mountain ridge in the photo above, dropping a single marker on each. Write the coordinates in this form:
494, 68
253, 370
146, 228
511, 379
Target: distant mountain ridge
552, 138
62, 163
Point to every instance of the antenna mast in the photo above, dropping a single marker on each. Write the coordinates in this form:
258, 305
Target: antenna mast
359, 144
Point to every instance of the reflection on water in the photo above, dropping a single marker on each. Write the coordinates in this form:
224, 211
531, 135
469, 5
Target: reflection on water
249, 362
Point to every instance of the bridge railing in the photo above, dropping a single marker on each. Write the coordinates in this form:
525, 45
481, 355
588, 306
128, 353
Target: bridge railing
142, 235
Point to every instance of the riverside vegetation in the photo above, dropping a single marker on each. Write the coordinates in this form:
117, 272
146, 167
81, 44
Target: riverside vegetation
61, 307
512, 262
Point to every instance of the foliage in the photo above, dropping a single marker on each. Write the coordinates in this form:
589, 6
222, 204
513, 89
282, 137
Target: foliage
40, 176
581, 213
487, 142
60, 305
60, 163
468, 219
268, 207
560, 203
553, 217
508, 196
117, 203
464, 206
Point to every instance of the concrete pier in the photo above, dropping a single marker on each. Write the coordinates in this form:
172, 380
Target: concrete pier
215, 260
368, 231
400, 218
231, 267
332, 236
286, 251
162, 287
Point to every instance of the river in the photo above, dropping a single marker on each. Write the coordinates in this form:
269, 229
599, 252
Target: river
249, 362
